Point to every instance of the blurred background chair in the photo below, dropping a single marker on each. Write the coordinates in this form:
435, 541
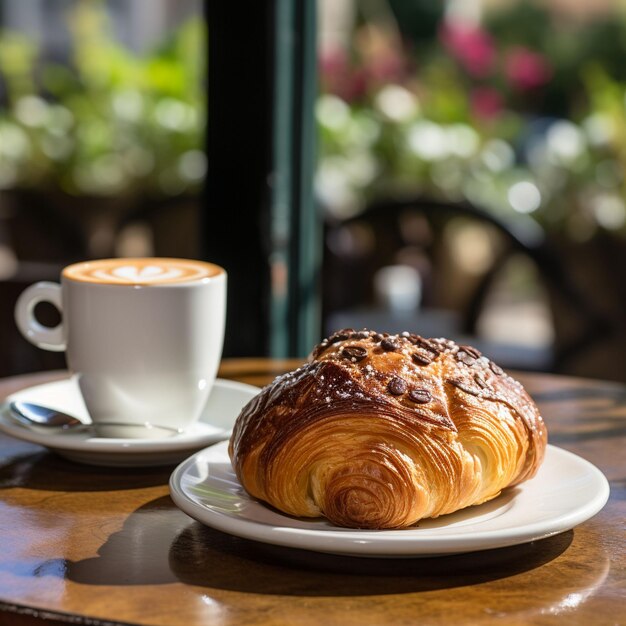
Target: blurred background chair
451, 269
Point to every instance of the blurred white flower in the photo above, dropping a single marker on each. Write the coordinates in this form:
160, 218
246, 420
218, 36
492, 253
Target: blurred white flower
428, 141
609, 210
498, 155
599, 129
362, 131
565, 142
524, 197
32, 111
128, 105
333, 187
175, 114
463, 140
360, 169
397, 103
14, 143
192, 165
332, 112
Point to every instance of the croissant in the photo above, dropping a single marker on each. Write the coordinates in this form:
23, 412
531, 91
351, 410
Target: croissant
379, 431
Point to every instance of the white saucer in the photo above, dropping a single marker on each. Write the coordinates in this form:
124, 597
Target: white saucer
566, 491
225, 402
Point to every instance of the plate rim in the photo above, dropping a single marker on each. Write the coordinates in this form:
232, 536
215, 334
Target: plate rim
390, 543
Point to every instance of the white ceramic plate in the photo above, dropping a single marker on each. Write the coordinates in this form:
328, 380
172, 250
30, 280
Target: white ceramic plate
566, 491
225, 402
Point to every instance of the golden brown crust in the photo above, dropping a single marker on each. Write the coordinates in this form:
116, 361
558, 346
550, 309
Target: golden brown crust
379, 431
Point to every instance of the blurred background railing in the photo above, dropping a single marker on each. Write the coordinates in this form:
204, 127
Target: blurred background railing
469, 177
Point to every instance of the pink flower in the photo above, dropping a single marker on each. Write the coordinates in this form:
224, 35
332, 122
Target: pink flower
526, 69
332, 62
387, 68
355, 85
471, 46
338, 77
486, 102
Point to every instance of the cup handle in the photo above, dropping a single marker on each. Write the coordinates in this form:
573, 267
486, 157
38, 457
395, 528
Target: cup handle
39, 335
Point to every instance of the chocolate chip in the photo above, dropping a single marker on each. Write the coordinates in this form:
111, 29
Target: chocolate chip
421, 358
465, 358
361, 334
496, 369
420, 396
480, 381
340, 335
356, 353
464, 385
397, 386
471, 351
427, 344
377, 337
390, 344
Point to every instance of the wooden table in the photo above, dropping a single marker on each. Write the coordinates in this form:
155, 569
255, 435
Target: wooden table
87, 545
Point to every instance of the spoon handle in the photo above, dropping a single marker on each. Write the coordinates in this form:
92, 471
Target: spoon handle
36, 415
41, 417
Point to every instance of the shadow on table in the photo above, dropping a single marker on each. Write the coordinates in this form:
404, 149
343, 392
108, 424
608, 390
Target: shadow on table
138, 554
48, 472
158, 545
205, 557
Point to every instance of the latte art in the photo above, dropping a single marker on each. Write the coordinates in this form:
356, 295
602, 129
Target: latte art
131, 273
153, 271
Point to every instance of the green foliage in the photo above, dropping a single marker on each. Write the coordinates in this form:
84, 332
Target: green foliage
521, 116
112, 121
567, 46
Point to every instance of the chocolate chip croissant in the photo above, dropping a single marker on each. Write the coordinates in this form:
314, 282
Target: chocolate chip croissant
380, 431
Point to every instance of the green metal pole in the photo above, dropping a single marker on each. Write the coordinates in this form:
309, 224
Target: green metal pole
295, 223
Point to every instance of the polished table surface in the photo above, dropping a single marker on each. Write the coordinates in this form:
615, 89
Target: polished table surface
89, 545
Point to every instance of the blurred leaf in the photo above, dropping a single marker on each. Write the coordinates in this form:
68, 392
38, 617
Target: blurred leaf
165, 77
17, 60
59, 80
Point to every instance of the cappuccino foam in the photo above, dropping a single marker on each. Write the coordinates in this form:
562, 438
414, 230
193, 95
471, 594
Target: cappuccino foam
142, 271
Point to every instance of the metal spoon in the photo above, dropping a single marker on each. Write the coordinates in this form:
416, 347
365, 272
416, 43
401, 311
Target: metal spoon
30, 414
35, 415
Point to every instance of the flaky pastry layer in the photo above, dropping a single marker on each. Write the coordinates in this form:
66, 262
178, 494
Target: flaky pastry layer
380, 431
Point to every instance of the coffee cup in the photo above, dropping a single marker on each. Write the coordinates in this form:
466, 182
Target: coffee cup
142, 336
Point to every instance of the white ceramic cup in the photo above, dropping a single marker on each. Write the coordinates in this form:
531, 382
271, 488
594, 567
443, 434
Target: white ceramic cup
143, 337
